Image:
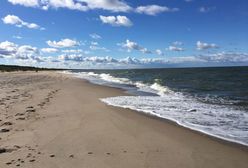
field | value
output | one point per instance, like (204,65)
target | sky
(123,33)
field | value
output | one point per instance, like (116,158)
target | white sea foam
(105,78)
(216,120)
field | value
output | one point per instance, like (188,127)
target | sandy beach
(52,120)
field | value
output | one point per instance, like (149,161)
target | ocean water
(210,100)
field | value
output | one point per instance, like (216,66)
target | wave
(218,120)
(104,78)
(215,120)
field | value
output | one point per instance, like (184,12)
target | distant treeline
(9,68)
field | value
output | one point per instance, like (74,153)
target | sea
(211,100)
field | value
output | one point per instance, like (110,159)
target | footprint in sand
(30,109)
(7,123)
(3,130)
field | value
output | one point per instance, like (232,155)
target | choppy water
(209,100)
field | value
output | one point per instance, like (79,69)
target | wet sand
(50,120)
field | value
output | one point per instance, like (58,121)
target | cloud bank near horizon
(30,55)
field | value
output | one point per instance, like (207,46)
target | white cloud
(46,4)
(95,36)
(70,4)
(203,46)
(100,59)
(26,52)
(81,5)
(82,58)
(85,5)
(94,43)
(49,50)
(71,57)
(27,3)
(11,50)
(175,48)
(116,20)
(130,45)
(76,51)
(15,20)
(159,52)
(17,37)
(7,48)
(63,43)
(154,9)
(177,43)
(110,5)
(95,47)
(225,57)
(30,54)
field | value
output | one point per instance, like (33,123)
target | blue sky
(123,34)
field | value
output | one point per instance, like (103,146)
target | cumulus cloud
(222,57)
(86,5)
(225,57)
(159,52)
(76,51)
(17,37)
(110,5)
(130,45)
(7,48)
(71,57)
(82,58)
(95,46)
(15,20)
(46,4)
(27,53)
(95,36)
(203,46)
(94,43)
(63,43)
(175,48)
(81,5)
(27,3)
(154,9)
(11,50)
(49,50)
(116,20)
(177,43)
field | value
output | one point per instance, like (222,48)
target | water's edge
(171,121)
(150,113)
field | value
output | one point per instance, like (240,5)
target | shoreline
(211,136)
(71,127)
(168,121)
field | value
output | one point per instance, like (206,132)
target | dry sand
(50,120)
